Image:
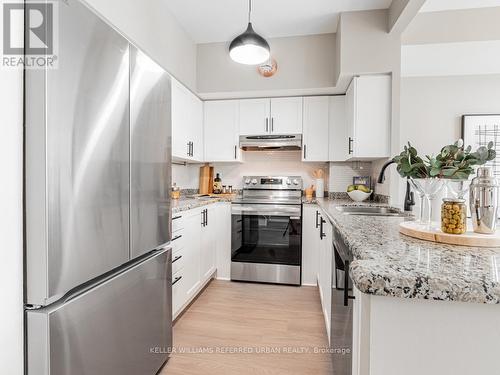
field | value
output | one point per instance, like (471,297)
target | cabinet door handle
(176,217)
(267,124)
(321,234)
(176,280)
(192,148)
(305,151)
(350,145)
(317,222)
(177,258)
(203,218)
(176,237)
(189,149)
(235,152)
(272,124)
(206,217)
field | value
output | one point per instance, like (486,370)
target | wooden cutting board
(206,177)
(469,238)
(211,181)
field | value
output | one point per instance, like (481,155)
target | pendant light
(249,48)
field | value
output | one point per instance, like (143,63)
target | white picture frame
(479,130)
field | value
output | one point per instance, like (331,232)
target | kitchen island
(420,307)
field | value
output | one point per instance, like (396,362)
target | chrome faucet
(409,196)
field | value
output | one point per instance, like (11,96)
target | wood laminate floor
(237,316)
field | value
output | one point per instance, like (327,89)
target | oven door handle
(273,210)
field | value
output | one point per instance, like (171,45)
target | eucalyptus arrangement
(452,162)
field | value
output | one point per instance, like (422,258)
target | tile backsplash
(341,174)
(338,175)
(253,163)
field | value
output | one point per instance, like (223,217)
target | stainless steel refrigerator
(97,178)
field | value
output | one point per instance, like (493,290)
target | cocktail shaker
(483,195)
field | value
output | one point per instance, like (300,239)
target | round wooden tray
(469,238)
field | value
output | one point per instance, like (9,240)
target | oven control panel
(273,182)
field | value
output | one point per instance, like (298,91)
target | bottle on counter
(217,184)
(176,191)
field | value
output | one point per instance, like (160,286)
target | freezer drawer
(122,326)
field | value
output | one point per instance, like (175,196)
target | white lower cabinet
(223,241)
(317,256)
(195,247)
(310,244)
(208,246)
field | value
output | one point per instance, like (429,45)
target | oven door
(266,233)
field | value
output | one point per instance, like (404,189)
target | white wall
(153,28)
(431,107)
(454,26)
(366,46)
(431,110)
(451,59)
(254,163)
(304,62)
(11,220)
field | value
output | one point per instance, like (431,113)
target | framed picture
(479,130)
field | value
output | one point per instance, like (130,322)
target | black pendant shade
(249,48)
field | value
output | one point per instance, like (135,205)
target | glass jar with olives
(453,216)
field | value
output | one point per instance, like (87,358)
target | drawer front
(177,223)
(178,241)
(178,260)
(179,295)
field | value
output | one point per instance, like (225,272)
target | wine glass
(415,183)
(431,187)
(457,188)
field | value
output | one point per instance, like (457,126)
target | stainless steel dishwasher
(342,309)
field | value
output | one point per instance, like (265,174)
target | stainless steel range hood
(270,142)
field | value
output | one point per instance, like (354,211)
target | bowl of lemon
(359,193)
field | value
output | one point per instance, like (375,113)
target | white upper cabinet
(221,131)
(254,116)
(271,116)
(315,133)
(368,111)
(196,128)
(187,124)
(339,138)
(286,115)
(180,147)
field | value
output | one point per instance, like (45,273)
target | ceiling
(439,5)
(208,21)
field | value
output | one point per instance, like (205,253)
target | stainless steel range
(267,230)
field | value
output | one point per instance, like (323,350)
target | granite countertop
(188,203)
(388,263)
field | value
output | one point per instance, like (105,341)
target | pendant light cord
(249,10)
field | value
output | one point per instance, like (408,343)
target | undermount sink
(370,211)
